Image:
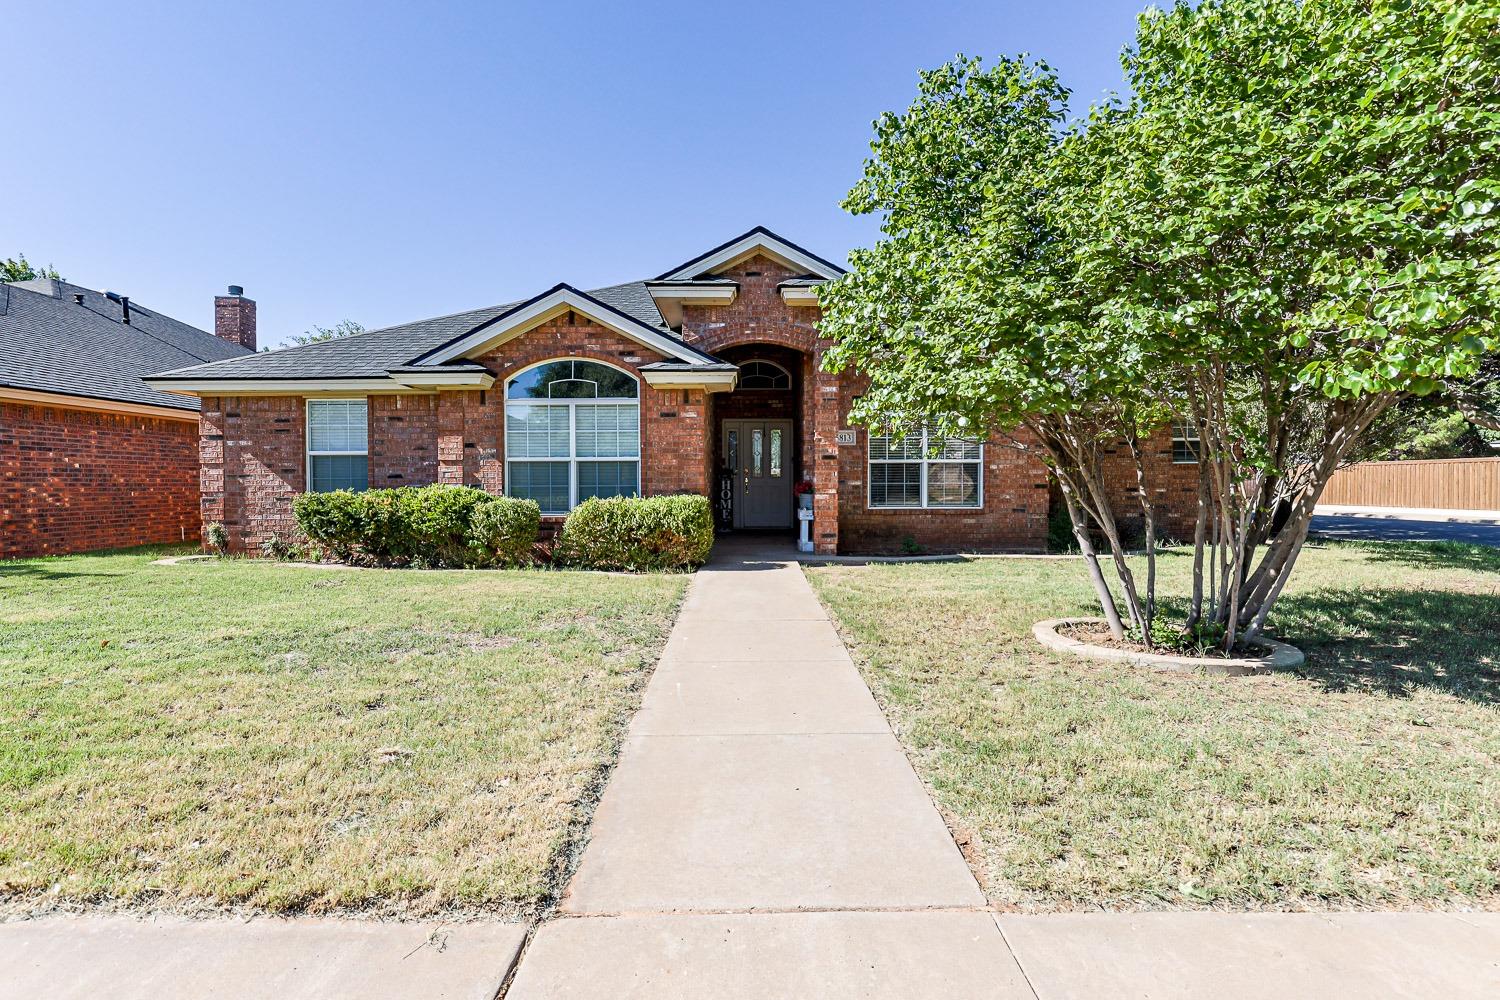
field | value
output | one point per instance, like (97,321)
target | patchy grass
(1369,777)
(247,734)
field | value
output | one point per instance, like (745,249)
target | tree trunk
(1091,559)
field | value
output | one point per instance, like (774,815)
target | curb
(1281,657)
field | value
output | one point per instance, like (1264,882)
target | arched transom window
(572,431)
(764,375)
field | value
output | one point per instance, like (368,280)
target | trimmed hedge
(638,533)
(503,531)
(418,525)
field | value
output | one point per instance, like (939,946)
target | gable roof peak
(759,240)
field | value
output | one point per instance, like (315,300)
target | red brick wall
(75,480)
(1174,488)
(1013,516)
(757,315)
(403,440)
(254,456)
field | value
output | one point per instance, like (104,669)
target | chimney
(234,317)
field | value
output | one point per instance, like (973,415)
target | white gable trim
(748,246)
(555,303)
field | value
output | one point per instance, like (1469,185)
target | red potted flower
(804,491)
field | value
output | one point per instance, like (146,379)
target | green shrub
(335,520)
(412,525)
(432,524)
(636,533)
(503,531)
(217,537)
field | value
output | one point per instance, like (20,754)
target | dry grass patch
(240,733)
(1368,777)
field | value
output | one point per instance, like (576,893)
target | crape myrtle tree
(1286,228)
(968,315)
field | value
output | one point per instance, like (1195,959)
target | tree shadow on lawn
(1393,642)
(42,570)
(1424,555)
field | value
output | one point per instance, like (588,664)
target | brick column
(825,457)
(450,438)
(211,444)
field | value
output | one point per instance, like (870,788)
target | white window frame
(926,461)
(573,459)
(1186,432)
(307,438)
(766,361)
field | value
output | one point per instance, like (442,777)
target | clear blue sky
(390,161)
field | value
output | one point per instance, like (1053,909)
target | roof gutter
(397,383)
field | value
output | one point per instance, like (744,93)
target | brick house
(706,379)
(90,456)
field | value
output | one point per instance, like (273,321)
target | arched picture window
(572,431)
(760,374)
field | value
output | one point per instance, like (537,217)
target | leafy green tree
(1287,228)
(968,316)
(18,268)
(1424,427)
(345,328)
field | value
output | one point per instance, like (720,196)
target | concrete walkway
(171,958)
(764,836)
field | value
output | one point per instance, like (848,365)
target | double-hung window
(924,470)
(337,445)
(1184,443)
(572,431)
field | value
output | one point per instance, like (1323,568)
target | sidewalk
(173,958)
(764,836)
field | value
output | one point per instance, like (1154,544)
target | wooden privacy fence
(1449,483)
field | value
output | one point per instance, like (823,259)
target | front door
(759,455)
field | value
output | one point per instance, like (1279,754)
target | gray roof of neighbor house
(394,348)
(49,342)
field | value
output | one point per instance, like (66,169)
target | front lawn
(1369,777)
(286,738)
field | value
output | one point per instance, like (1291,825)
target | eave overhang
(395,382)
(671,296)
(798,294)
(716,377)
(95,404)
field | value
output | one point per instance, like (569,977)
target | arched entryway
(759,438)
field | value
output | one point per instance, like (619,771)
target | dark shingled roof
(375,352)
(50,343)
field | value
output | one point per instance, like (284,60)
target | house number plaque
(843,437)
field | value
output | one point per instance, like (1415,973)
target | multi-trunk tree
(1286,228)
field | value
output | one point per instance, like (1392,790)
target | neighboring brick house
(707,379)
(90,456)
